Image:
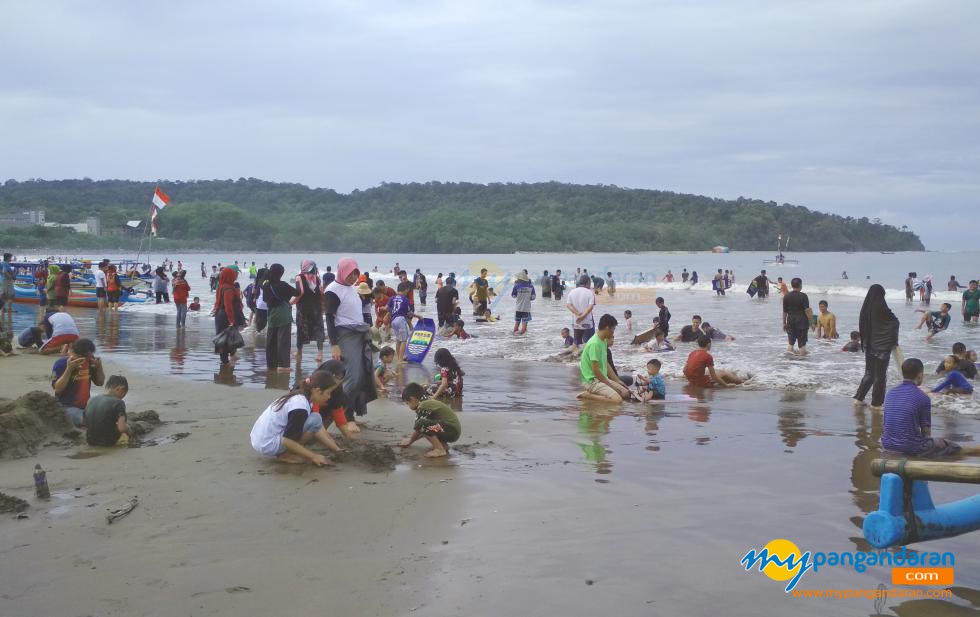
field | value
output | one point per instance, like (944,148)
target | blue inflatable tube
(893,525)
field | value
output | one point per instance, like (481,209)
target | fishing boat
(780,259)
(83,297)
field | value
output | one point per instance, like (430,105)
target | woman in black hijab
(879,336)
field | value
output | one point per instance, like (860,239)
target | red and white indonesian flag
(160,201)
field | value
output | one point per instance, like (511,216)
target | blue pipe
(891,525)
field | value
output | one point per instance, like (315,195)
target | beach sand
(556,512)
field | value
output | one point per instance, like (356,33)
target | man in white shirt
(581,302)
(100,281)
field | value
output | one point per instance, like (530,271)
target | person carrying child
(434,420)
(286,425)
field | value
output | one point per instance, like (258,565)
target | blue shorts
(76,415)
(314,422)
(522,317)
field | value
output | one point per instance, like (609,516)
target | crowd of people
(360,329)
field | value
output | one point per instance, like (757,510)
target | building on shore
(22,219)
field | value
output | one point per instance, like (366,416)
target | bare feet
(433,453)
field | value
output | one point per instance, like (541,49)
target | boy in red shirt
(700,360)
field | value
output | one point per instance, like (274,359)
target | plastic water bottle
(41,483)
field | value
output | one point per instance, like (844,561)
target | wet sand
(546,508)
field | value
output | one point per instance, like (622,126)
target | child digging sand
(287,424)
(434,420)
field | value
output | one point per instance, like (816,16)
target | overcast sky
(860,107)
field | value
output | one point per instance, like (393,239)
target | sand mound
(25,423)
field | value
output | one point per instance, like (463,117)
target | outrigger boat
(780,259)
(79,296)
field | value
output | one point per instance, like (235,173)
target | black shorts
(522,317)
(797,334)
(100,292)
(114,296)
(60,301)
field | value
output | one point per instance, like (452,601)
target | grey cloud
(856,108)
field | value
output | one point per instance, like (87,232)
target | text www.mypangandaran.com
(870,594)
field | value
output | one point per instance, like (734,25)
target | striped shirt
(907,411)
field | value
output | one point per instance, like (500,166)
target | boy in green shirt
(105,415)
(600,385)
(971,303)
(434,420)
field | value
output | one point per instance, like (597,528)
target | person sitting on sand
(653,386)
(458,331)
(937,320)
(72,377)
(382,370)
(288,423)
(714,333)
(854,345)
(700,360)
(908,419)
(594,366)
(955,382)
(105,414)
(659,342)
(691,332)
(434,420)
(61,331)
(826,322)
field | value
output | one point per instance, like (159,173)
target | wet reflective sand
(635,510)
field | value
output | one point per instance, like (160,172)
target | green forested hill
(433,217)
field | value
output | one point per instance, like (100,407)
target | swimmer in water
(826,322)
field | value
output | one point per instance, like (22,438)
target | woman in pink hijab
(350,337)
(309,311)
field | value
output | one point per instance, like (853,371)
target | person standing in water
(796,317)
(279,296)
(878,328)
(971,303)
(309,311)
